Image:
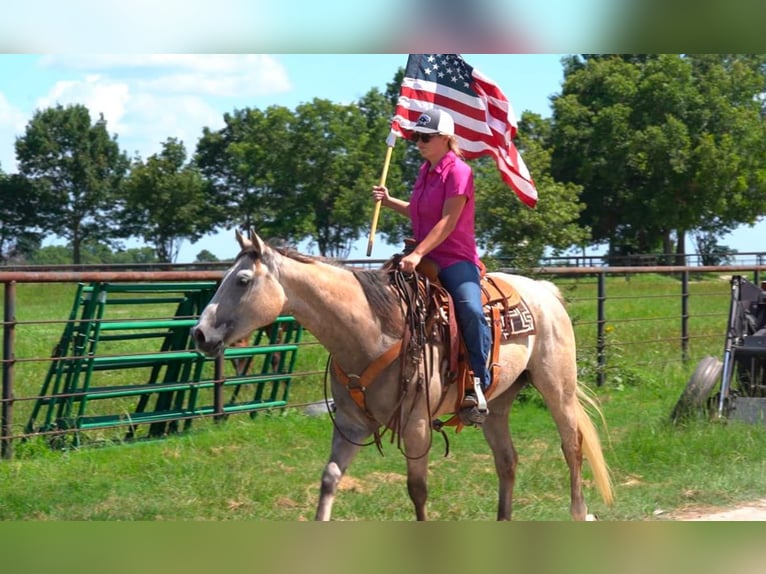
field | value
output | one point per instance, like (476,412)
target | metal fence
(690,331)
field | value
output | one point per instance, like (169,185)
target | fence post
(685,315)
(218,376)
(9,337)
(600,330)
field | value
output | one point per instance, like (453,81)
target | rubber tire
(694,397)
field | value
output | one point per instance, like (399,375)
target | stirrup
(482,401)
(474,408)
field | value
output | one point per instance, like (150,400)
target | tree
(78,167)
(19,204)
(334,172)
(507,227)
(662,145)
(165,201)
(247,165)
(93,253)
(303,174)
(206,256)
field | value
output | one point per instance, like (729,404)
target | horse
(356,315)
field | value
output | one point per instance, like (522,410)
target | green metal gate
(107,371)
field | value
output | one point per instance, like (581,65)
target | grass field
(268,467)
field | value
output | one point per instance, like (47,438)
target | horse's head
(249,296)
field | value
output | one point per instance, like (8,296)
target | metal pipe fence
(609,323)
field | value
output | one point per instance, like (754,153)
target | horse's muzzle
(210,344)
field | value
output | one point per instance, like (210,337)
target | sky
(147,98)
(168,70)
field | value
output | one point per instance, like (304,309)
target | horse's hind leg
(343,452)
(498,434)
(571,446)
(563,405)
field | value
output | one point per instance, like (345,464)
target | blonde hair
(454,146)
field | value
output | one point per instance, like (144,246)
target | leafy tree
(92,254)
(77,167)
(507,227)
(334,172)
(710,251)
(298,175)
(19,203)
(206,256)
(663,145)
(165,201)
(52,255)
(247,164)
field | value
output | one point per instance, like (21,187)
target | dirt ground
(751,511)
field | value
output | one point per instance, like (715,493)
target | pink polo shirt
(450,178)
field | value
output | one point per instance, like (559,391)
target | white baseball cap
(435,121)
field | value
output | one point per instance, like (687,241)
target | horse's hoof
(591,518)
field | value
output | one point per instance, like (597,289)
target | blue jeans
(461,280)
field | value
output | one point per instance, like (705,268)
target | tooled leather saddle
(506,312)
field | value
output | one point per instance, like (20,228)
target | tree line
(640,150)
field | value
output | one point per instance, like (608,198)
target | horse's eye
(244,278)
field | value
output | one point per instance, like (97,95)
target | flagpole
(376,212)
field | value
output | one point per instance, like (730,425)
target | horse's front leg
(417,485)
(343,452)
(417,446)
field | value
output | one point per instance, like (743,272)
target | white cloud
(12,121)
(98,94)
(210,74)
(153,118)
(149,98)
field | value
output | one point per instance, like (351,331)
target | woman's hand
(409,262)
(380,193)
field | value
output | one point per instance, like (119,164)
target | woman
(441,209)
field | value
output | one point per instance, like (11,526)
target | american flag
(484,120)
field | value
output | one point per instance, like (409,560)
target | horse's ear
(242,240)
(257,242)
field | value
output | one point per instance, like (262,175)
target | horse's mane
(375,284)
(381,298)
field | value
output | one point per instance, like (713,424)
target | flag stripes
(484,120)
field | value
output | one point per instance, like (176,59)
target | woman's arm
(380,193)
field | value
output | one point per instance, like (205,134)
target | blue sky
(147,98)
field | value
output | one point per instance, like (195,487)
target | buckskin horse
(359,316)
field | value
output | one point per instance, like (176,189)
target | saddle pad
(519,320)
(515,315)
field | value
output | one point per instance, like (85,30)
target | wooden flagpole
(376,213)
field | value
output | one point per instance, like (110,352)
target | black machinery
(742,373)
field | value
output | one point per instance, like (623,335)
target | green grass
(268,468)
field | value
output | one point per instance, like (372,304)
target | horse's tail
(591,444)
